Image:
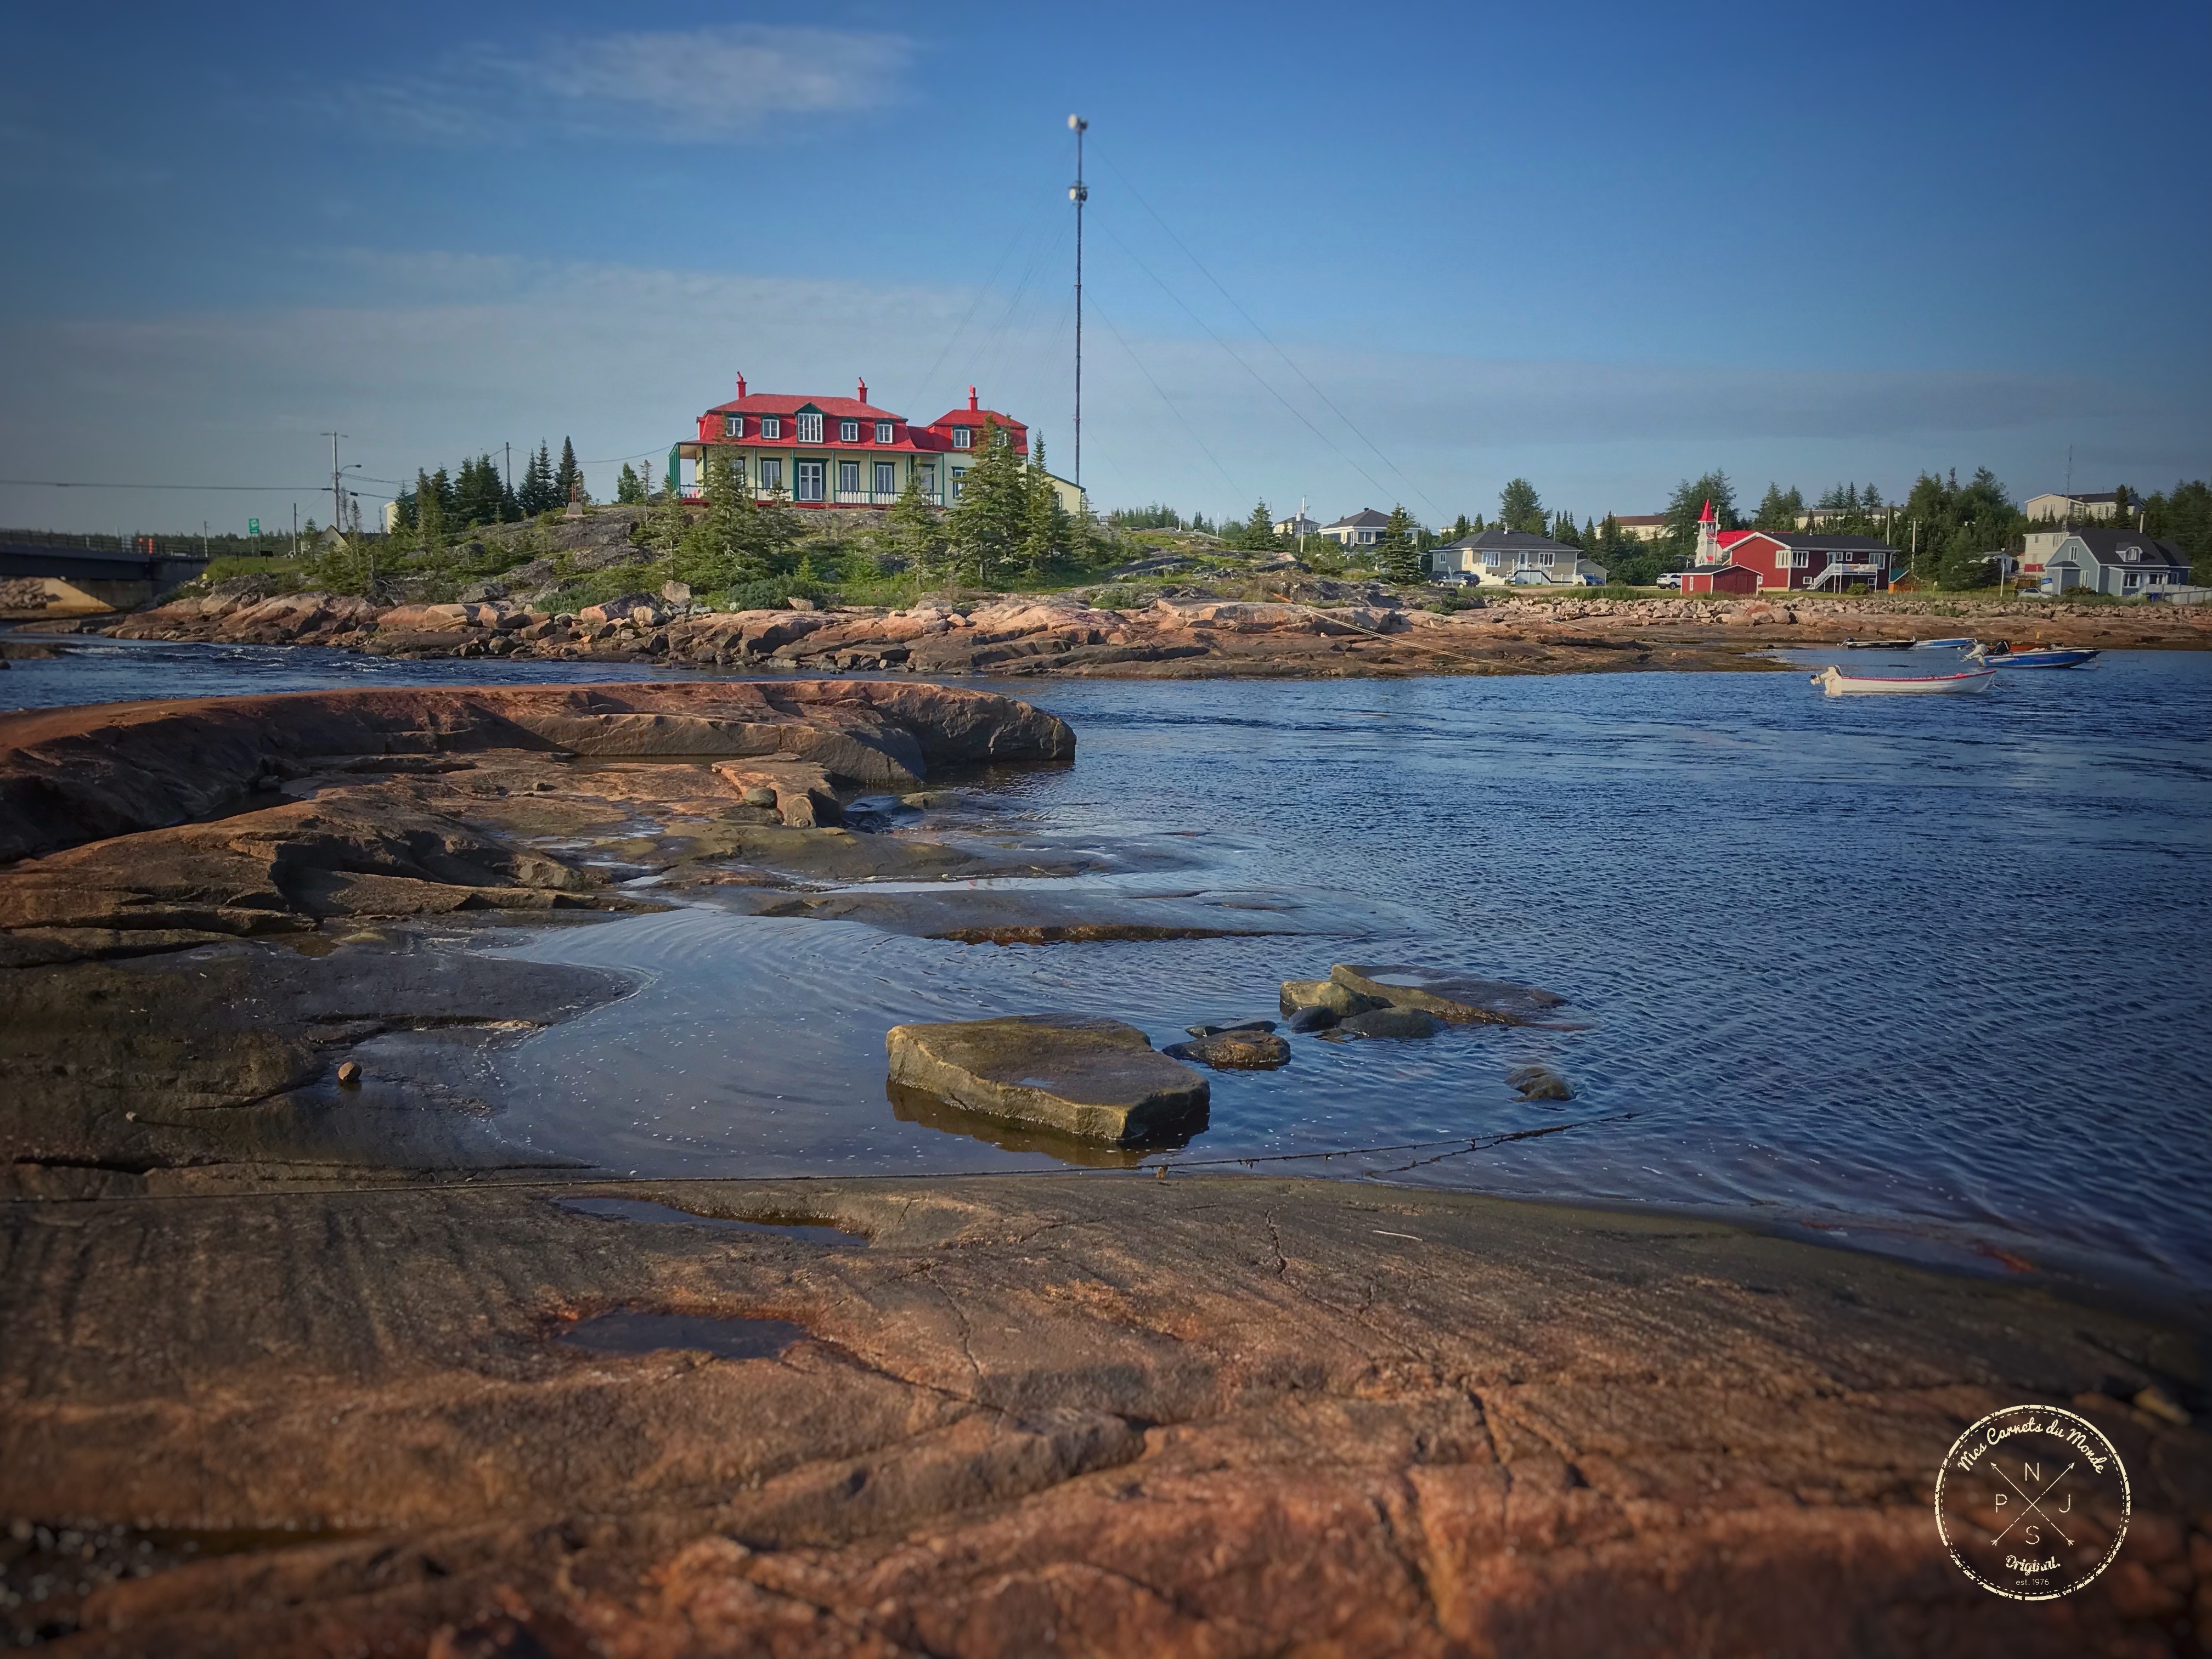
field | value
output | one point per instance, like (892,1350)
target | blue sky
(1356,255)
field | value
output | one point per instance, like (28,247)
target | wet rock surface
(1236,1049)
(1460,999)
(1087,1415)
(1093,1079)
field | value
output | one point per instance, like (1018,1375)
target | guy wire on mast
(1078,193)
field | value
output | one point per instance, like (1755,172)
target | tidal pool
(1902,970)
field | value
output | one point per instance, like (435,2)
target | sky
(1355,256)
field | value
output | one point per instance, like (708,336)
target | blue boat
(2001,655)
(1940,644)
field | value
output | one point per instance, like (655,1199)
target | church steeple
(1708,535)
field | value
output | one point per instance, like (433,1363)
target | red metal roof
(772,402)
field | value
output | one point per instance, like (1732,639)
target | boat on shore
(1838,684)
(1878,645)
(1942,645)
(2000,654)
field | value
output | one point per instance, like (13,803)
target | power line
(100,483)
(1264,335)
(1164,398)
(1333,446)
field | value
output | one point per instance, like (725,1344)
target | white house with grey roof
(2125,562)
(1363,529)
(1503,558)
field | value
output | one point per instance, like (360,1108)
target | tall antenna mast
(1078,193)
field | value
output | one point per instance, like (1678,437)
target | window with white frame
(733,426)
(886,433)
(886,477)
(958,474)
(963,437)
(848,477)
(771,426)
(1801,558)
(771,475)
(810,428)
(848,432)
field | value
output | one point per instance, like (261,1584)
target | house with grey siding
(2125,562)
(1501,558)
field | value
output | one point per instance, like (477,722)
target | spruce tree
(1045,526)
(1519,506)
(1396,554)
(630,486)
(536,495)
(987,525)
(568,482)
(429,511)
(915,532)
(739,540)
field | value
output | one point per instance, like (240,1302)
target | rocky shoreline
(1313,628)
(303,1360)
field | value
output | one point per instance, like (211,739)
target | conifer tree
(430,510)
(1396,553)
(987,525)
(536,495)
(739,540)
(1045,525)
(630,486)
(568,482)
(915,532)
(1519,506)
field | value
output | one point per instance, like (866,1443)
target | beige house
(2074,509)
(1363,529)
(1642,527)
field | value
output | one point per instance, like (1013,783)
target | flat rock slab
(1462,1000)
(1098,1080)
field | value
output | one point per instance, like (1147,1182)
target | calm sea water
(1923,974)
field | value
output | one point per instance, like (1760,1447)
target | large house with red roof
(843,452)
(1747,561)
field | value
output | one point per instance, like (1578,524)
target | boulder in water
(1099,1079)
(1392,1023)
(1338,1000)
(1463,999)
(1539,1083)
(1244,1048)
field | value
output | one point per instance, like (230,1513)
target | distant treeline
(476,492)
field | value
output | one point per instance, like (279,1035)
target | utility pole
(509,448)
(338,497)
(1078,193)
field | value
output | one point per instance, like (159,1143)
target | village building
(843,452)
(1500,558)
(2100,508)
(1363,529)
(1642,527)
(1298,524)
(2125,562)
(1747,561)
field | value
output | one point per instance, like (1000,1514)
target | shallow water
(1901,968)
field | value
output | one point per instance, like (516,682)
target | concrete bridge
(106,569)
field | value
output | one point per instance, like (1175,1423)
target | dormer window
(963,437)
(810,428)
(2132,555)
(886,433)
(771,426)
(733,426)
(1000,437)
(848,432)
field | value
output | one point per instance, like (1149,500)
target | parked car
(1456,579)
(1669,578)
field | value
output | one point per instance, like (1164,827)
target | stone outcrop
(1311,627)
(1086,1415)
(1093,1079)
(75,774)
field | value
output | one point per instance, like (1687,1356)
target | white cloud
(680,85)
(462,354)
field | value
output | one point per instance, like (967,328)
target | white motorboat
(1838,684)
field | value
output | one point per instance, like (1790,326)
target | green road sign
(253,526)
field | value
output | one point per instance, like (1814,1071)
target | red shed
(1721,579)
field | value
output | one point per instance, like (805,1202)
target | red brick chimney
(864,392)
(741,385)
(971,397)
